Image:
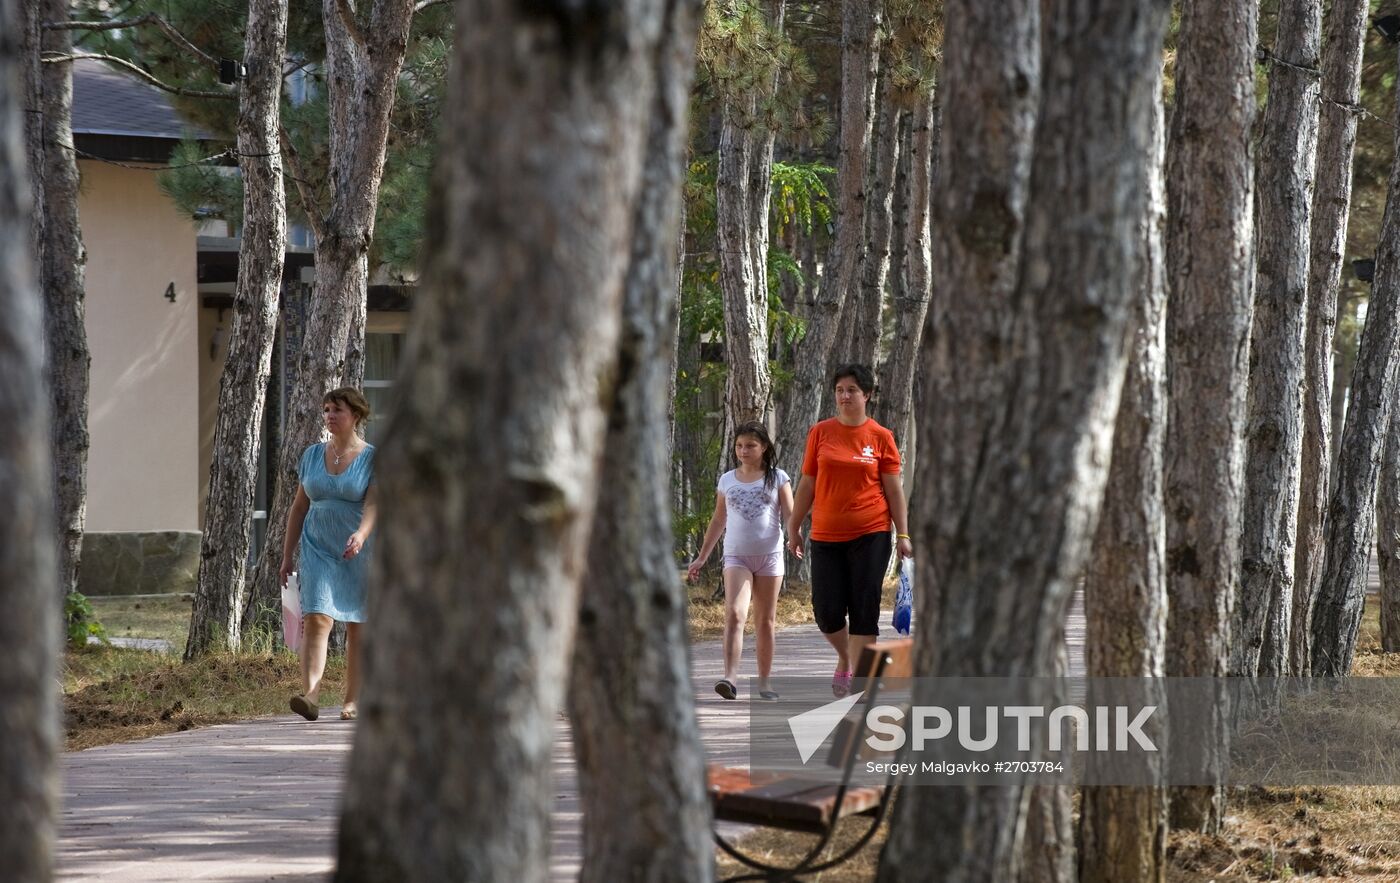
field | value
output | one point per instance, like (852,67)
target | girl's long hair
(770,456)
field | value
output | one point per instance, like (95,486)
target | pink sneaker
(840,683)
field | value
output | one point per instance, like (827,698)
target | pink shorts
(758,565)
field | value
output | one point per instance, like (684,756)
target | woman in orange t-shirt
(851,485)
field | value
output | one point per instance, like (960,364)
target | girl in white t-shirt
(751,507)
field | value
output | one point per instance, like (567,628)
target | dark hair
(770,456)
(352,399)
(861,374)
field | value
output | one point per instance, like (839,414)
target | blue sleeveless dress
(330,584)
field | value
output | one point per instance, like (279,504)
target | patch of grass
(112,694)
(787,848)
(167,617)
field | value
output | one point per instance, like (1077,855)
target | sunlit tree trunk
(911,300)
(1210,272)
(860,334)
(363,56)
(66,351)
(1274,410)
(743,191)
(1342,594)
(1345,34)
(1388,539)
(840,276)
(216,618)
(490,468)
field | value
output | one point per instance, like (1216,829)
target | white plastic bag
(291,614)
(904,597)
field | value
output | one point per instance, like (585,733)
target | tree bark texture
(1123,831)
(911,299)
(1345,31)
(1210,273)
(648,817)
(1274,405)
(864,307)
(31,35)
(491,462)
(66,354)
(1003,554)
(216,618)
(1342,593)
(29,713)
(362,71)
(1388,539)
(810,381)
(1343,364)
(743,192)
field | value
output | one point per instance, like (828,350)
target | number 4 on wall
(170,292)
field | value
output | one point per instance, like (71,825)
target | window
(381,366)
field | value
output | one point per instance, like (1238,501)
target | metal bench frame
(809,863)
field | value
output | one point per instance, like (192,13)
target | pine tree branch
(55,58)
(309,206)
(425,4)
(149,18)
(352,25)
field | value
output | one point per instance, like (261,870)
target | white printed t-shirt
(755,520)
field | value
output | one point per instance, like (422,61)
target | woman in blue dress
(332,519)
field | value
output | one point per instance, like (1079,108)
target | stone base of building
(139,562)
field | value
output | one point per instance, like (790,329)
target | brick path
(257,800)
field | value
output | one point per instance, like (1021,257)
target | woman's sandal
(305,707)
(726,689)
(841,684)
(349,714)
(769,695)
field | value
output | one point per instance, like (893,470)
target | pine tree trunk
(31,35)
(810,381)
(1341,85)
(61,282)
(999,558)
(1342,593)
(223,554)
(648,817)
(910,303)
(1210,273)
(863,313)
(1274,410)
(362,70)
(513,353)
(1123,831)
(29,630)
(743,192)
(1343,366)
(1388,539)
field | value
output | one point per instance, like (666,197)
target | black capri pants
(846,581)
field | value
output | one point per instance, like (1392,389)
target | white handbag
(291,613)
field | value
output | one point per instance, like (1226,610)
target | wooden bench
(792,803)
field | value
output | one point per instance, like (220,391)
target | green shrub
(80,621)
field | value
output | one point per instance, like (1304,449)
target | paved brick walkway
(257,800)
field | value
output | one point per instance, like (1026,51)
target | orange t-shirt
(846,463)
